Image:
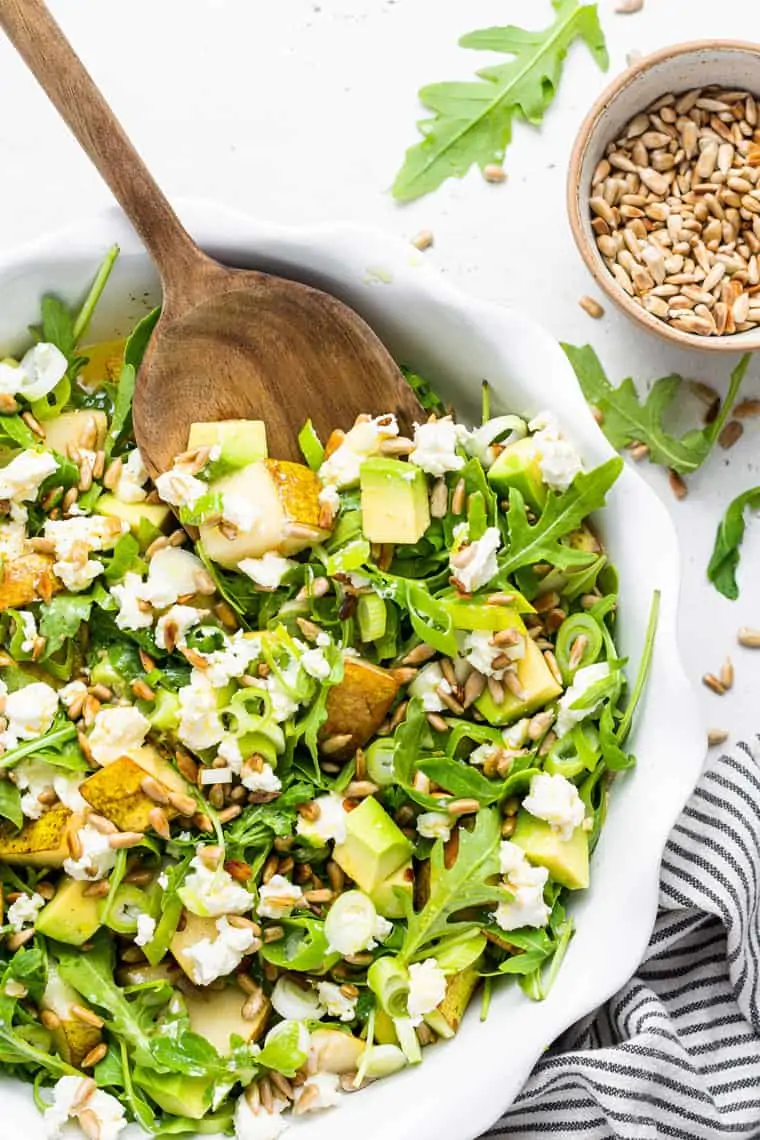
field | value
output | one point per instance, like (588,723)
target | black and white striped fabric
(676,1053)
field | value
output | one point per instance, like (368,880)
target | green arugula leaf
(10,803)
(463,885)
(13,431)
(629,420)
(643,672)
(58,324)
(724,560)
(125,557)
(563,513)
(134,350)
(261,823)
(472,122)
(61,618)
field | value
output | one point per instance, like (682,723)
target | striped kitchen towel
(676,1053)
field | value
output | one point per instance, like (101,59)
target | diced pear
(40,842)
(71,916)
(288,512)
(538,683)
(217,1014)
(584,539)
(335,1052)
(104,362)
(447,1017)
(358,704)
(193,931)
(74,429)
(29,578)
(138,975)
(116,790)
(73,1038)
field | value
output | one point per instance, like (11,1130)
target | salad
(295,758)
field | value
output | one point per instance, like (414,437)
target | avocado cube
(395,503)
(73,1038)
(519,466)
(73,429)
(116,790)
(175,1093)
(447,1017)
(471,616)
(385,896)
(29,578)
(240,442)
(135,514)
(71,916)
(358,704)
(40,842)
(536,679)
(566,860)
(218,1014)
(374,846)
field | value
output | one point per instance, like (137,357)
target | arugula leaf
(125,557)
(259,824)
(724,560)
(429,399)
(58,324)
(643,673)
(134,350)
(61,732)
(461,779)
(431,621)
(15,432)
(463,885)
(563,513)
(61,618)
(84,316)
(627,419)
(10,803)
(472,122)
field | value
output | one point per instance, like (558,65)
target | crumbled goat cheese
(281,690)
(12,540)
(314,662)
(29,711)
(78,576)
(261,780)
(555,800)
(482,564)
(134,606)
(232,660)
(71,692)
(229,750)
(434,825)
(330,823)
(261,1124)
(75,539)
(116,732)
(71,1101)
(97,858)
(24,911)
(435,446)
(558,460)
(36,777)
(517,733)
(211,893)
(175,573)
(179,488)
(483,753)
(211,960)
(425,686)
(335,1001)
(583,680)
(362,441)
(240,512)
(29,627)
(181,619)
(329,497)
(294,1003)
(526,884)
(21,478)
(267,571)
(200,725)
(427,988)
(327,1086)
(146,928)
(480,652)
(130,487)
(278,897)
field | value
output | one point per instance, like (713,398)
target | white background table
(300,111)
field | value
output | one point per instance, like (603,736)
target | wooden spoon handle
(57,68)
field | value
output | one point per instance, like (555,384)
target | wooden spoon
(231,343)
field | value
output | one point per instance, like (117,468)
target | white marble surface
(300,110)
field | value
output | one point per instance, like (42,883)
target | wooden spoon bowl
(230,344)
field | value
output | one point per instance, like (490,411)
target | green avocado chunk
(134,513)
(71,916)
(374,846)
(387,902)
(538,685)
(395,505)
(566,860)
(518,466)
(240,442)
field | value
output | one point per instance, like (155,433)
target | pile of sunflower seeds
(675,207)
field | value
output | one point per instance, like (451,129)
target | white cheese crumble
(335,1001)
(329,497)
(314,662)
(129,594)
(362,441)
(327,1086)
(70,1101)
(567,716)
(330,824)
(12,540)
(555,800)
(558,460)
(232,660)
(130,487)
(116,732)
(179,488)
(278,897)
(434,825)
(71,692)
(75,539)
(41,368)
(262,780)
(478,650)
(482,564)
(29,628)
(211,960)
(35,777)
(30,712)
(97,858)
(267,571)
(24,911)
(435,446)
(21,478)
(425,684)
(229,750)
(517,733)
(261,1124)
(200,725)
(483,753)
(182,618)
(281,690)
(240,512)
(296,1003)
(211,893)
(146,929)
(175,573)
(427,988)
(526,884)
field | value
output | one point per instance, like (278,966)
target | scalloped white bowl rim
(463,1086)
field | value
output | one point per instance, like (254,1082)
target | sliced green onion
(372,615)
(407,1039)
(389,981)
(84,316)
(380,758)
(350,923)
(382,1061)
(304,947)
(128,904)
(573,627)
(311,446)
(644,666)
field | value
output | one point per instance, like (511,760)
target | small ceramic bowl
(725,63)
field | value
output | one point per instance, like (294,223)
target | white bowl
(463,1086)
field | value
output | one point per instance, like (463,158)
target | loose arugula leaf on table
(628,419)
(472,122)
(563,513)
(724,561)
(463,885)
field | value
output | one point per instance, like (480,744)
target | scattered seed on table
(749,638)
(592,307)
(423,240)
(494,173)
(726,674)
(731,434)
(628,7)
(712,683)
(677,485)
(716,736)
